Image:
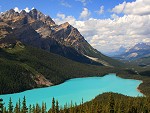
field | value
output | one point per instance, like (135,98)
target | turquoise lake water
(76,89)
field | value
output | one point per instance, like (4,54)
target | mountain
(38,30)
(139,51)
(143,62)
(25,67)
(116,53)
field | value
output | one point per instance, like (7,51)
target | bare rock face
(9,14)
(4,29)
(37,15)
(38,30)
(41,80)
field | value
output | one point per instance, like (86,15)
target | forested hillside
(104,103)
(25,67)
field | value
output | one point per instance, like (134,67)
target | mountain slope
(38,30)
(140,50)
(24,67)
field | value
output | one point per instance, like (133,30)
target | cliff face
(38,30)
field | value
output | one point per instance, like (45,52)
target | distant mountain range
(116,53)
(38,30)
(140,50)
(139,54)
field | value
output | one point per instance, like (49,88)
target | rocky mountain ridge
(36,29)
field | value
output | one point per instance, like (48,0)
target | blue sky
(106,24)
(68,7)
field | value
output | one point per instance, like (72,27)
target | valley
(41,60)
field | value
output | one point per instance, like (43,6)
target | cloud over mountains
(110,34)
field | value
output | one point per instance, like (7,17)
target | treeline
(105,103)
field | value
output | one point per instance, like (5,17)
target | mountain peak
(10,13)
(23,12)
(32,27)
(37,15)
(34,13)
(65,25)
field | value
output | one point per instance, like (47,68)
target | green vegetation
(105,103)
(21,64)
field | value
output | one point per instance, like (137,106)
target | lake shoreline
(139,90)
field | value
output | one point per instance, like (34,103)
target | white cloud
(114,16)
(84,2)
(61,15)
(85,14)
(62,18)
(138,7)
(64,3)
(108,35)
(101,10)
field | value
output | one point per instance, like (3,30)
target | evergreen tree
(57,107)
(30,109)
(37,109)
(33,109)
(1,105)
(53,105)
(121,107)
(10,106)
(71,108)
(24,107)
(111,103)
(43,107)
(5,110)
(19,105)
(16,110)
(133,110)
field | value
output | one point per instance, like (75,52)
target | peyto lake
(76,89)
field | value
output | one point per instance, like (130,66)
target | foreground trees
(105,103)
(1,105)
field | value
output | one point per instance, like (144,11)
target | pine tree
(82,106)
(38,109)
(121,107)
(33,109)
(16,110)
(111,104)
(133,110)
(5,110)
(43,107)
(30,109)
(1,105)
(57,107)
(24,107)
(10,106)
(19,105)
(71,108)
(53,105)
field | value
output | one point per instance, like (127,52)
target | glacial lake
(76,89)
